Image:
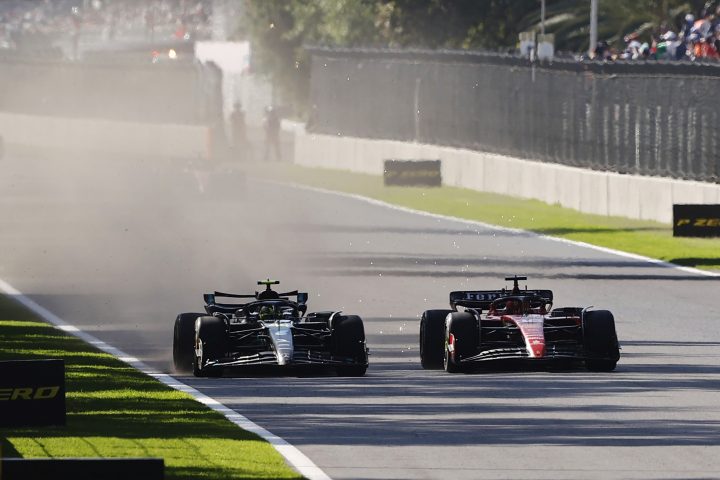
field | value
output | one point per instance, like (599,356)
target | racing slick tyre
(210,340)
(602,349)
(348,341)
(184,342)
(432,338)
(461,340)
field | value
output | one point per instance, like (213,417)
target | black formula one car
(497,325)
(270,330)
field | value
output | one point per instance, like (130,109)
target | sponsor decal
(32,393)
(481,296)
(408,173)
(696,220)
(29,393)
(490,295)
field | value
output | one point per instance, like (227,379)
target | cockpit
(519,305)
(269,310)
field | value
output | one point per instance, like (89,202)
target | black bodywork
(273,329)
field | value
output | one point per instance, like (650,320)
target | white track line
(477,223)
(293,456)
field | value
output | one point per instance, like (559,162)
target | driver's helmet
(511,307)
(267,313)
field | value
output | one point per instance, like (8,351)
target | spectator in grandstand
(62,20)
(698,38)
(603,51)
(666,46)
(632,49)
(688,23)
(702,26)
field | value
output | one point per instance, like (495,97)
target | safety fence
(647,118)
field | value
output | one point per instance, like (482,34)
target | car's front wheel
(432,338)
(210,344)
(348,337)
(602,349)
(184,342)
(461,340)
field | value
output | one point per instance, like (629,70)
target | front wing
(520,353)
(300,358)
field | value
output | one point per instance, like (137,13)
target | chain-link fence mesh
(644,118)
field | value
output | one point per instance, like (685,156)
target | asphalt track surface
(119,247)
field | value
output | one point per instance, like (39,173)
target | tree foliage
(279,29)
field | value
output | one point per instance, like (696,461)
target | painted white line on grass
(294,457)
(380,203)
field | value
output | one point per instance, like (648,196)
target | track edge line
(290,453)
(518,231)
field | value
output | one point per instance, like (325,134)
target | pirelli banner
(412,173)
(32,393)
(696,220)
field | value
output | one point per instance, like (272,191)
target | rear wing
(211,298)
(481,299)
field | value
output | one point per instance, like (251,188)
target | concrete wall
(109,137)
(604,193)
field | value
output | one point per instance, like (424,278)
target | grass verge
(651,239)
(114,410)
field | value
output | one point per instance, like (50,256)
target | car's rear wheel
(461,340)
(184,342)
(602,349)
(432,338)
(210,343)
(348,342)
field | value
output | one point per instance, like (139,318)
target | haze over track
(118,248)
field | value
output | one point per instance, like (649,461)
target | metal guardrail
(648,118)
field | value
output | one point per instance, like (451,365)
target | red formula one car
(506,325)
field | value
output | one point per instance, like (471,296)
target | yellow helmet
(267,313)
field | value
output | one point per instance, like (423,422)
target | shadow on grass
(713,262)
(114,410)
(193,473)
(7,449)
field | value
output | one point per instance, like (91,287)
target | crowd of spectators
(33,22)
(697,38)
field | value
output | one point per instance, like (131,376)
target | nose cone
(281,334)
(532,327)
(537,348)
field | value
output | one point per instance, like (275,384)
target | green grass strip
(114,410)
(651,239)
